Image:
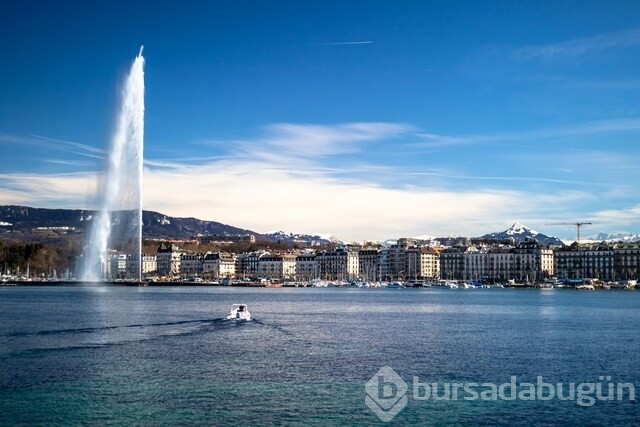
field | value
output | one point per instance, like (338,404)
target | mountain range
(615,237)
(27,224)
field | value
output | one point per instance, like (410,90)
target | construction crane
(578,225)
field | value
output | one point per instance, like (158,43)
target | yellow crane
(578,225)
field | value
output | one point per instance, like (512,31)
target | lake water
(165,356)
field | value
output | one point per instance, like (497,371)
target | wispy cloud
(80,147)
(578,48)
(304,177)
(67,162)
(580,129)
(54,143)
(617,217)
(67,190)
(307,140)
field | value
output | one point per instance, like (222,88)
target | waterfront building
(306,266)
(367,264)
(219,265)
(422,263)
(168,260)
(626,260)
(476,262)
(247,264)
(149,265)
(191,263)
(501,265)
(452,263)
(276,266)
(118,266)
(534,262)
(585,261)
(527,262)
(383,268)
(338,264)
(398,259)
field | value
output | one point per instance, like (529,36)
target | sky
(360,119)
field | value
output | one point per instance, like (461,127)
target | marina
(444,284)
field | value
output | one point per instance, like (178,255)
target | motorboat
(585,287)
(239,312)
(396,285)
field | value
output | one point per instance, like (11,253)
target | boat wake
(102,336)
(106,328)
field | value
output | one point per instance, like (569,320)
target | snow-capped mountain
(521,233)
(614,237)
(308,239)
(387,243)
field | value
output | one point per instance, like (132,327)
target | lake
(166,356)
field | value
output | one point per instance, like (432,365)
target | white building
(219,265)
(149,265)
(277,266)
(527,262)
(168,260)
(422,263)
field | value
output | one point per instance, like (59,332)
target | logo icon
(386,394)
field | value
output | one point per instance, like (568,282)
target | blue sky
(366,120)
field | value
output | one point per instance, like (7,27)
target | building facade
(191,263)
(168,260)
(368,264)
(277,266)
(338,264)
(306,267)
(626,259)
(585,261)
(219,265)
(452,263)
(149,265)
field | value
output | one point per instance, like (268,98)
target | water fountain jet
(118,223)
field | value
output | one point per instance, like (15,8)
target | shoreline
(254,285)
(121,283)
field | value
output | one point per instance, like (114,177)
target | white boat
(585,288)
(239,312)
(396,285)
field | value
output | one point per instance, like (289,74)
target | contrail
(342,43)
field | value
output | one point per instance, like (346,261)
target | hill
(27,224)
(23,223)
